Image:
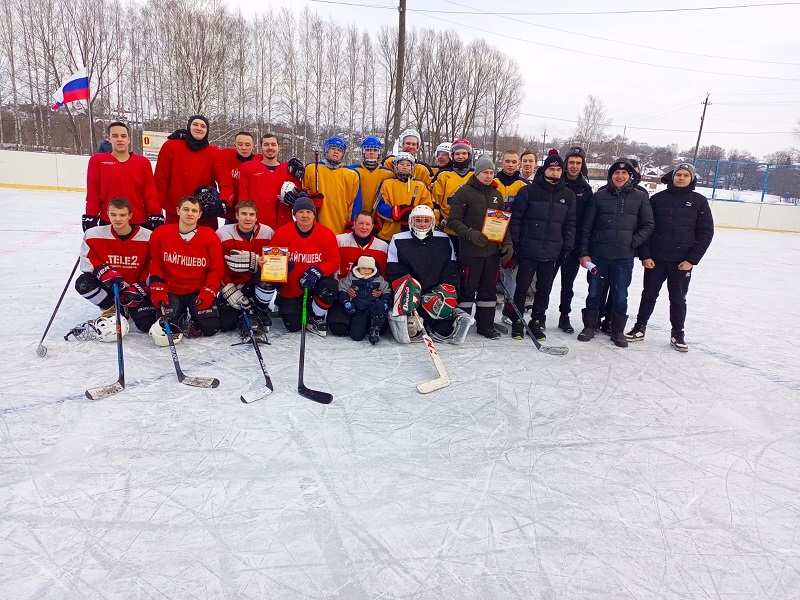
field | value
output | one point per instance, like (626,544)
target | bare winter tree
(503,97)
(592,123)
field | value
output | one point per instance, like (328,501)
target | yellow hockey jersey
(370,183)
(444,186)
(342,191)
(394,192)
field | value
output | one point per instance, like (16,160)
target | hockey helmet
(159,335)
(371,143)
(410,133)
(444,147)
(107,328)
(210,203)
(333,142)
(420,221)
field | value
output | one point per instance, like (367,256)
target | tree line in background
(154,63)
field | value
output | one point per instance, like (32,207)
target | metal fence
(748,181)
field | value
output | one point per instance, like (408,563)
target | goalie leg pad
(407,291)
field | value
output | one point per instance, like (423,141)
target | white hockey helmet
(107,328)
(160,336)
(443,148)
(404,156)
(410,133)
(421,221)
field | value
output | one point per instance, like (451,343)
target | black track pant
(569,271)
(677,287)
(545,272)
(479,287)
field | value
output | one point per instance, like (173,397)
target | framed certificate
(495,224)
(276,264)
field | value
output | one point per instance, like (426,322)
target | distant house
(652,174)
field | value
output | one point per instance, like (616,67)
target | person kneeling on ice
(422,270)
(365,296)
(313,260)
(117,253)
(186,270)
(242,245)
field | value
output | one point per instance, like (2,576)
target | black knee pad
(143,316)
(207,320)
(85,283)
(292,321)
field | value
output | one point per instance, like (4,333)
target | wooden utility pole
(699,133)
(401,54)
(544,140)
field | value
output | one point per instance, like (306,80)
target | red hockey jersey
(349,251)
(261,185)
(129,257)
(179,172)
(319,248)
(229,159)
(107,178)
(232,239)
(186,267)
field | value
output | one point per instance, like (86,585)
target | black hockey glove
(88,221)
(154,221)
(310,278)
(296,167)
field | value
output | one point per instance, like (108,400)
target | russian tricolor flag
(75,88)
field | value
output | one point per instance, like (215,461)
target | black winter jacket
(543,220)
(467,213)
(616,222)
(583,193)
(684,226)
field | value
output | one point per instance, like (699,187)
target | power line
(625,60)
(595,37)
(660,129)
(355,4)
(603,12)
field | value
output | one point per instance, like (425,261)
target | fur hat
(365,261)
(483,163)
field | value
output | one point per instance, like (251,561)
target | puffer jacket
(616,222)
(543,220)
(468,212)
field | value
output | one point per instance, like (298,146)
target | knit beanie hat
(303,203)
(365,261)
(686,167)
(194,144)
(483,163)
(552,160)
(623,164)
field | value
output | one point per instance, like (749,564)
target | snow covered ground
(605,473)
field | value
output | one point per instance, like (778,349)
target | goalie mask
(371,143)
(210,204)
(420,221)
(106,328)
(159,335)
(404,172)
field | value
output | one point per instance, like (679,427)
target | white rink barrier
(67,173)
(43,171)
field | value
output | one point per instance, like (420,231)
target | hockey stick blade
(202,382)
(554,350)
(250,397)
(443,380)
(104,391)
(315,395)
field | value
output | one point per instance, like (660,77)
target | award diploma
(276,264)
(495,224)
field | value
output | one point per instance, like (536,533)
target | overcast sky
(563,67)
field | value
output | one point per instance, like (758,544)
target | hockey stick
(204,382)
(247,398)
(315,395)
(554,350)
(104,391)
(443,380)
(316,171)
(41,350)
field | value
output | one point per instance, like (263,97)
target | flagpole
(92,145)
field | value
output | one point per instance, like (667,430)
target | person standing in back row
(683,231)
(618,220)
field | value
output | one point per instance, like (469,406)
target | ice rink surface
(605,473)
